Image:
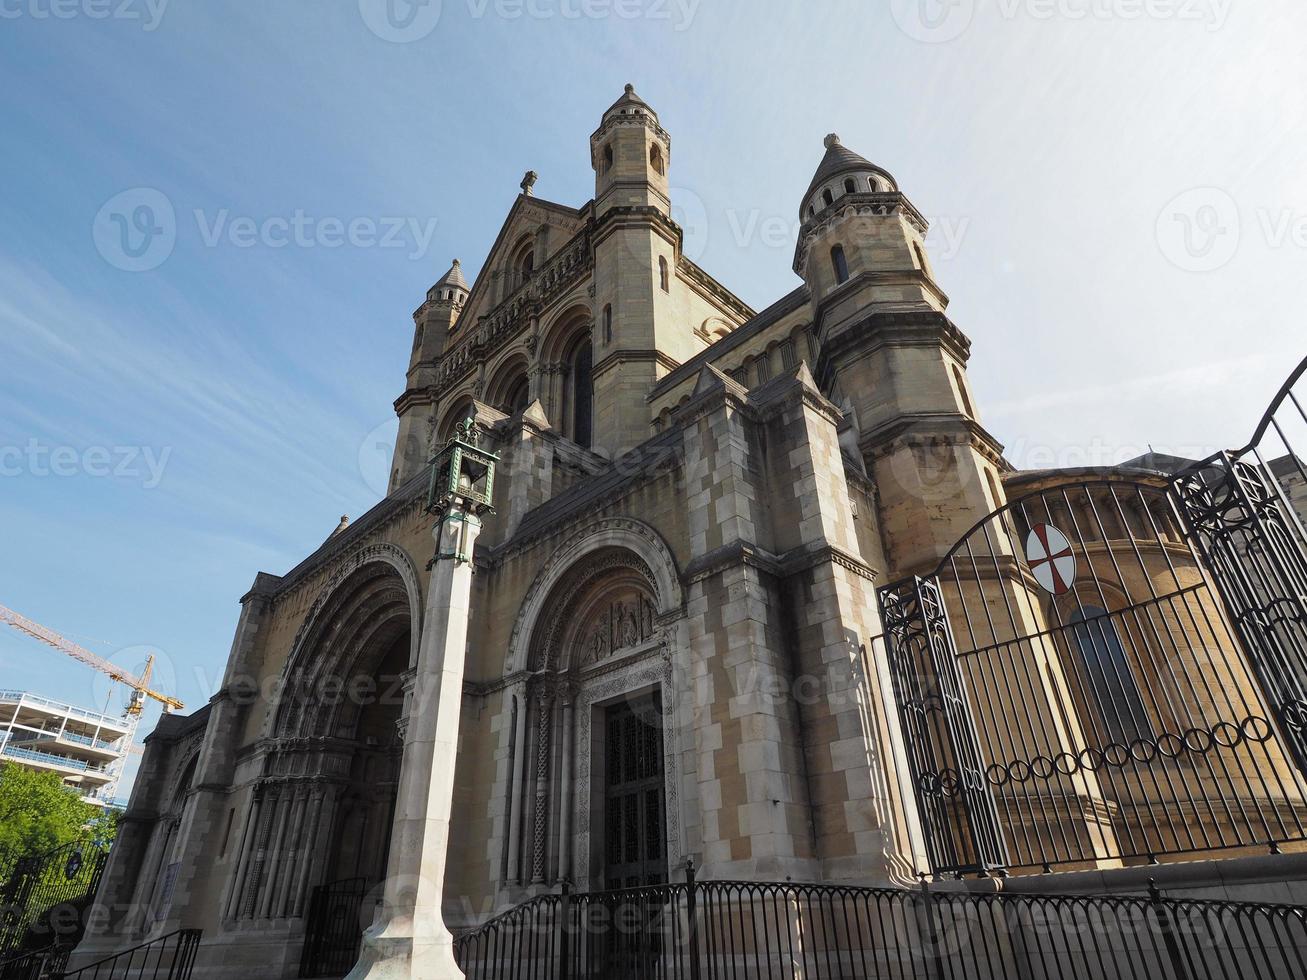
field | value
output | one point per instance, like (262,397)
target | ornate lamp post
(409,938)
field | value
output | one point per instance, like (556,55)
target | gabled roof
(571,217)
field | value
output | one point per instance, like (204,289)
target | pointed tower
(432,323)
(631,155)
(889,355)
(637,337)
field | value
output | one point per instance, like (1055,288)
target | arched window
(811,210)
(608,324)
(839,264)
(1111,680)
(848,185)
(663,277)
(581,391)
(608,158)
(827,197)
(871,184)
(516,399)
(656,158)
(528,263)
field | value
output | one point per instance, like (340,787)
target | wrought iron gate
(64,878)
(333,930)
(1109,670)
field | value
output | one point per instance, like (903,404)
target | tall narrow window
(608,324)
(582,393)
(1111,681)
(656,158)
(962,392)
(663,275)
(827,197)
(608,158)
(848,185)
(839,264)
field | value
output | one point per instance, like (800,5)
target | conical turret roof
(454,277)
(840,159)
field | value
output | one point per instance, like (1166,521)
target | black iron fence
(720,930)
(1245,510)
(44,896)
(333,930)
(169,957)
(34,964)
(1112,670)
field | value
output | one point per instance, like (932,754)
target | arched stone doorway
(323,805)
(593,791)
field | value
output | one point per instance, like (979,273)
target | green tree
(38,813)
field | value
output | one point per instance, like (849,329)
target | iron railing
(169,957)
(37,884)
(724,930)
(334,927)
(1245,510)
(35,964)
(1072,693)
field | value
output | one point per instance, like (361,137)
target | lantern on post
(462,485)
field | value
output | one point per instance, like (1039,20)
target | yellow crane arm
(51,638)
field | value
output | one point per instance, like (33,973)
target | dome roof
(839,160)
(454,277)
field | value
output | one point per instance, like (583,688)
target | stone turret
(891,358)
(432,323)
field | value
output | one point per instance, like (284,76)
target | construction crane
(139,686)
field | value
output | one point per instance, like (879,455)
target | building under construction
(86,748)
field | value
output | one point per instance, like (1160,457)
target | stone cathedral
(670,609)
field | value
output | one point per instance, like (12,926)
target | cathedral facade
(673,644)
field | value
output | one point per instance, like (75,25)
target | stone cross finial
(528,182)
(831,140)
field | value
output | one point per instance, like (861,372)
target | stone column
(568,756)
(409,938)
(516,795)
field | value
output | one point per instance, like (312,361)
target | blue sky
(1118,188)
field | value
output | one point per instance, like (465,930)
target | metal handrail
(787,930)
(145,960)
